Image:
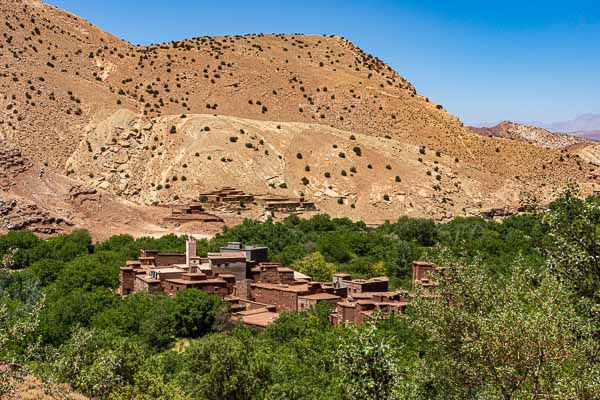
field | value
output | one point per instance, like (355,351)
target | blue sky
(485,61)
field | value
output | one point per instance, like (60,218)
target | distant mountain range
(585,125)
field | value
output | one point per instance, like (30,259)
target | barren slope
(37,198)
(124,117)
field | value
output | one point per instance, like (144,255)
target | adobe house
(127,276)
(285,297)
(256,318)
(219,286)
(421,277)
(226,195)
(359,309)
(272,273)
(253,253)
(154,267)
(193,212)
(307,302)
(356,286)
(229,263)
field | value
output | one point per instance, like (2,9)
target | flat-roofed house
(285,297)
(229,263)
(311,300)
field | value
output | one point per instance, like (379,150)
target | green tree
(574,226)
(315,266)
(223,367)
(195,312)
(515,338)
(368,364)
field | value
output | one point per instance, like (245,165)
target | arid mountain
(530,134)
(294,115)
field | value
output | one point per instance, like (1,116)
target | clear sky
(485,61)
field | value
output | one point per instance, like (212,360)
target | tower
(190,251)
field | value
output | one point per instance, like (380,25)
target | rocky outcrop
(18,215)
(12,163)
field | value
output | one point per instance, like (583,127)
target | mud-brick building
(307,302)
(272,273)
(421,277)
(285,297)
(221,285)
(359,309)
(256,254)
(226,195)
(229,263)
(357,286)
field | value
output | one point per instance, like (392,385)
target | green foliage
(514,316)
(95,362)
(15,248)
(368,364)
(574,226)
(64,311)
(315,266)
(511,338)
(223,367)
(195,312)
(100,269)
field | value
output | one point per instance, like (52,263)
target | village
(258,290)
(217,205)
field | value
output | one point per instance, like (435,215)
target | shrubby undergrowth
(516,316)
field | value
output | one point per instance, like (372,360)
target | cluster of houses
(259,290)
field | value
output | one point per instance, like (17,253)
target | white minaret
(190,251)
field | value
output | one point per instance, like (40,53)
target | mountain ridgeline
(294,115)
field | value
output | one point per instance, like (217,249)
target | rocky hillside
(37,198)
(281,114)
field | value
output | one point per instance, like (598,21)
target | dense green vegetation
(516,317)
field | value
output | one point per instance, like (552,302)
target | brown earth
(258,112)
(37,198)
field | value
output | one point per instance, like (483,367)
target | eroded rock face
(18,215)
(12,163)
